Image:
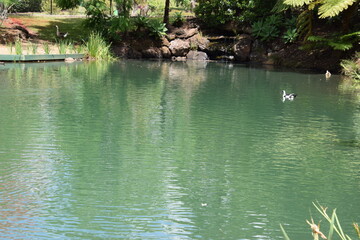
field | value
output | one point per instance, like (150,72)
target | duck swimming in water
(327,74)
(288,96)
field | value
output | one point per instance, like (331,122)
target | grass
(334,226)
(18,47)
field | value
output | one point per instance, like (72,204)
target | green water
(150,150)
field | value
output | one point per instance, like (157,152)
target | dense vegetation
(316,24)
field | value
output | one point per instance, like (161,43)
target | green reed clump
(18,47)
(97,48)
(335,226)
(46,48)
(63,45)
(10,46)
(34,48)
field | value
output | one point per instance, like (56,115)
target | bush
(267,29)
(351,67)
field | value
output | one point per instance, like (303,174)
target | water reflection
(162,150)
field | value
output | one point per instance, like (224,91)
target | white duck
(288,96)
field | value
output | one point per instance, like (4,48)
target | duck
(60,34)
(327,74)
(288,96)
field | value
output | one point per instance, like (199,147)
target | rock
(165,42)
(69,60)
(242,48)
(187,33)
(179,47)
(178,59)
(165,52)
(152,52)
(197,55)
(199,42)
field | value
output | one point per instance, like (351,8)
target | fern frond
(304,24)
(340,45)
(332,8)
(316,39)
(353,34)
(297,3)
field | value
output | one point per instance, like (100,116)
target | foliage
(153,27)
(68,4)
(97,48)
(46,48)
(63,45)
(18,47)
(268,28)
(333,220)
(27,6)
(178,21)
(117,25)
(327,8)
(351,68)
(141,22)
(216,12)
(157,28)
(337,42)
(290,35)
(96,15)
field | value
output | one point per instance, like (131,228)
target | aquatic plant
(351,67)
(18,47)
(97,48)
(333,220)
(10,46)
(46,48)
(63,45)
(34,48)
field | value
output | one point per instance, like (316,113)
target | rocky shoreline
(190,43)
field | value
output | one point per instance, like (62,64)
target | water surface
(151,150)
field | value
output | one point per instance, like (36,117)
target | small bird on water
(288,96)
(60,34)
(327,74)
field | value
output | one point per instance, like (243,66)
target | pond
(173,150)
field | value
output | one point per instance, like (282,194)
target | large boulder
(152,52)
(242,48)
(199,42)
(197,55)
(179,47)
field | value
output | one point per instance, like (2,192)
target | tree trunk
(166,12)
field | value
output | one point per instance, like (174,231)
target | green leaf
(332,224)
(286,237)
(332,8)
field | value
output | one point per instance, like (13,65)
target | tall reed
(335,226)
(46,48)
(97,48)
(18,47)
(34,48)
(63,46)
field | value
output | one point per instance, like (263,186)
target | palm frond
(297,3)
(331,8)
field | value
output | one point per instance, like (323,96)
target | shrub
(267,29)
(351,67)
